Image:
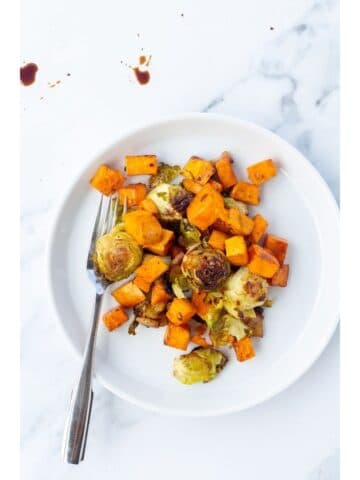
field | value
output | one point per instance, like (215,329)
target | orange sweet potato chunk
(128,295)
(141,164)
(152,269)
(236,250)
(163,246)
(191,186)
(159,294)
(261,171)
(115,318)
(225,171)
(280,278)
(261,262)
(217,240)
(180,311)
(133,193)
(198,300)
(177,336)
(234,222)
(260,226)
(106,180)
(277,245)
(198,170)
(246,192)
(204,207)
(143,227)
(142,284)
(148,205)
(201,341)
(244,349)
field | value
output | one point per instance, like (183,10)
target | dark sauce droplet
(28,74)
(142,76)
(142,59)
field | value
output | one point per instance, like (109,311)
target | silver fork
(77,423)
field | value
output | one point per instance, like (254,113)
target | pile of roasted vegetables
(203,265)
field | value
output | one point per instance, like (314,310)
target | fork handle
(78,419)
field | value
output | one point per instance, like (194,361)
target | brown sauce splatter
(28,74)
(142,60)
(142,76)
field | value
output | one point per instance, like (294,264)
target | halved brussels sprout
(150,315)
(205,268)
(117,255)
(200,365)
(231,203)
(166,173)
(171,201)
(243,292)
(227,327)
(179,284)
(190,235)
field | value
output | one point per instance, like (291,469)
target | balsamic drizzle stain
(28,74)
(142,76)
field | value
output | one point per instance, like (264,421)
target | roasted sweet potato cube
(143,227)
(204,207)
(201,341)
(163,246)
(177,336)
(180,311)
(152,269)
(225,171)
(159,293)
(277,245)
(141,164)
(106,180)
(191,185)
(236,250)
(234,222)
(261,171)
(244,349)
(142,284)
(198,170)
(216,185)
(128,295)
(280,278)
(148,205)
(115,318)
(260,226)
(134,194)
(246,192)
(261,262)
(217,240)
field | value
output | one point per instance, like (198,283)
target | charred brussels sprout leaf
(231,203)
(166,173)
(200,365)
(190,235)
(132,327)
(117,255)
(171,201)
(150,315)
(179,284)
(227,327)
(243,292)
(205,268)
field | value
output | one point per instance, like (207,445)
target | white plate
(298,206)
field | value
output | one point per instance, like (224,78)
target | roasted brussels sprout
(179,284)
(200,365)
(117,255)
(190,235)
(166,173)
(243,292)
(227,327)
(205,268)
(171,201)
(231,203)
(151,315)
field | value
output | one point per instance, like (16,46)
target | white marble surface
(218,57)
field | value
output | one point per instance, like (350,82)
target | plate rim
(158,122)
